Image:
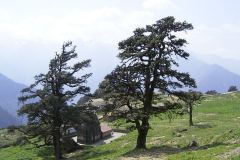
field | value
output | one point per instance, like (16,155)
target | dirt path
(227,155)
(143,158)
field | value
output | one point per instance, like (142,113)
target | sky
(32,31)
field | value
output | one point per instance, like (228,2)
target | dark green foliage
(52,94)
(148,64)
(97,93)
(21,141)
(212,92)
(69,145)
(232,89)
(83,100)
(12,129)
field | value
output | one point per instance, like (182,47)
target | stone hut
(89,132)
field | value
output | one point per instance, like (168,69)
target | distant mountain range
(9,93)
(210,76)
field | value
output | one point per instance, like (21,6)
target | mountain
(9,93)
(7,119)
(230,64)
(210,76)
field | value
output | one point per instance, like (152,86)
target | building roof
(105,128)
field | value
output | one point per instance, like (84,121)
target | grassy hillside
(216,130)
(14,146)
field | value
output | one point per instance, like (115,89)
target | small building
(89,132)
(106,131)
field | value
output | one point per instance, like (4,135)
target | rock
(193,144)
(179,135)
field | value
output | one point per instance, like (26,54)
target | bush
(212,92)
(11,129)
(232,89)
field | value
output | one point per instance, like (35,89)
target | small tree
(83,100)
(212,92)
(148,64)
(52,95)
(232,89)
(191,98)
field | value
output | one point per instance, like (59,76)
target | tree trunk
(142,134)
(190,116)
(57,145)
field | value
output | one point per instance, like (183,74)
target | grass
(216,131)
(25,152)
(13,148)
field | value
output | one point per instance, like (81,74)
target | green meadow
(216,130)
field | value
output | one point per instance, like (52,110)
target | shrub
(11,129)
(232,89)
(212,92)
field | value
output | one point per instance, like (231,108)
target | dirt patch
(145,155)
(144,158)
(156,140)
(227,155)
(210,114)
(233,141)
(208,100)
(155,153)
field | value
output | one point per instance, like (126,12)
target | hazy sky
(31,31)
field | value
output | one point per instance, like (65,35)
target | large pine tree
(148,64)
(51,97)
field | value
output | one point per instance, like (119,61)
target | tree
(212,92)
(52,95)
(83,100)
(148,64)
(191,98)
(232,89)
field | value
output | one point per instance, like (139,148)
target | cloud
(106,24)
(58,28)
(159,4)
(221,40)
